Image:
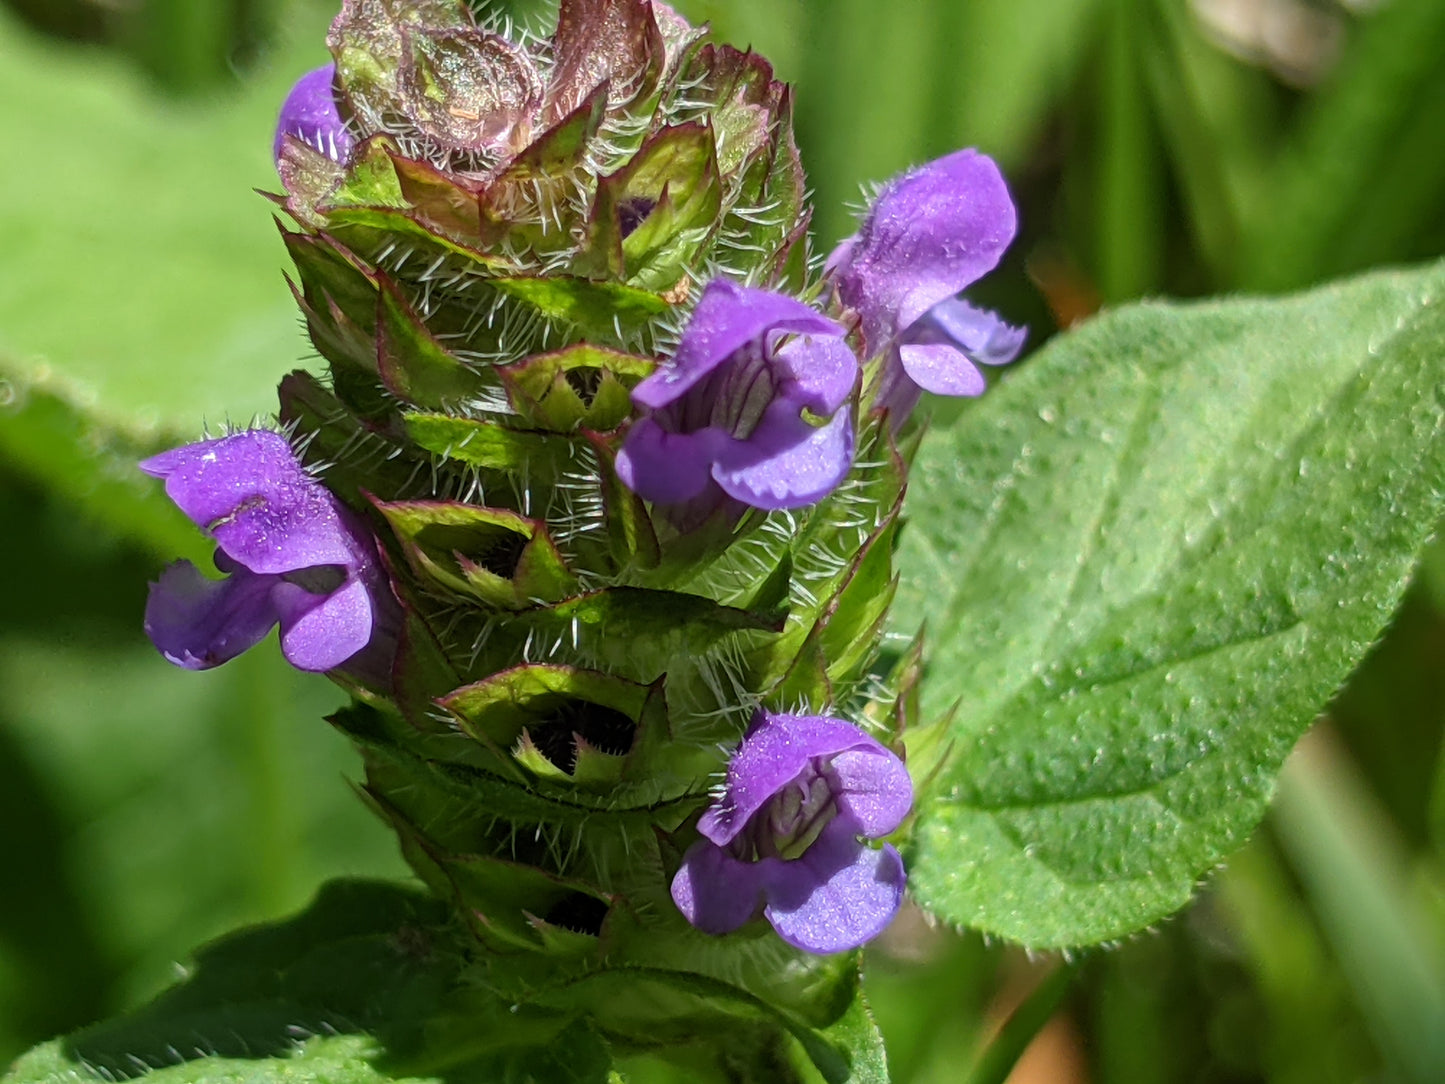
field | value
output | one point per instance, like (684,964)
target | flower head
(803,792)
(294,556)
(729,412)
(310,114)
(930,234)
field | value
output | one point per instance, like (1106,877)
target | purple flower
(294,556)
(729,412)
(930,233)
(803,791)
(310,114)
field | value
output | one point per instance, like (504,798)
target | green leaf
(412,363)
(850,1051)
(366,985)
(634,632)
(142,269)
(74,450)
(1170,537)
(673,184)
(654,1007)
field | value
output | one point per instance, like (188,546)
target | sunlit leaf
(1168,538)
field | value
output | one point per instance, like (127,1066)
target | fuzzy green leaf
(358,466)
(365,986)
(1169,538)
(339,301)
(633,631)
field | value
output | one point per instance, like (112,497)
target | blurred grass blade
(1129,239)
(997,1060)
(1213,112)
(877,73)
(1354,874)
(885,88)
(1303,991)
(1355,144)
(1007,66)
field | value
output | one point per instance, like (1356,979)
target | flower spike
(600,482)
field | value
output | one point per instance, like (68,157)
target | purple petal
(310,115)
(774,753)
(320,632)
(819,373)
(838,895)
(667,468)
(785,462)
(929,234)
(873,788)
(977,332)
(716,892)
(198,623)
(941,369)
(252,496)
(728,317)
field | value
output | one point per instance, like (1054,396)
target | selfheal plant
(596,510)
(293,554)
(618,472)
(802,794)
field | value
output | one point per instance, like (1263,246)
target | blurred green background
(1172,147)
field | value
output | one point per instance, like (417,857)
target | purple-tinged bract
(931,233)
(310,114)
(731,411)
(294,556)
(803,793)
